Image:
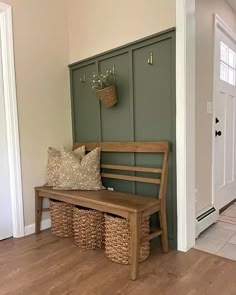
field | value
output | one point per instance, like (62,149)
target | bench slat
(154,233)
(131,178)
(131,168)
(127,147)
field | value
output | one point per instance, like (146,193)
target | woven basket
(89,228)
(61,219)
(107,96)
(117,239)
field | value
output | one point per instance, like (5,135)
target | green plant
(101,81)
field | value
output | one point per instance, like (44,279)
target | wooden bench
(130,206)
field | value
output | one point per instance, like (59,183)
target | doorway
(216,223)
(215,110)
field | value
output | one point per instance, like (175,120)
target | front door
(224,159)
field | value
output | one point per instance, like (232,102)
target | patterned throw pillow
(80,174)
(54,163)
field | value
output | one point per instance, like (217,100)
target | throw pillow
(54,162)
(80,174)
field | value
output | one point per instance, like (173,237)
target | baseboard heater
(205,219)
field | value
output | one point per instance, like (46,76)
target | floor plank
(43,264)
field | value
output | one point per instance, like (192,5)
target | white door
(224,142)
(5,198)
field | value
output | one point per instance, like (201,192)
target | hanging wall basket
(107,96)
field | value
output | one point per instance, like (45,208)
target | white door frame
(219,23)
(6,40)
(185,122)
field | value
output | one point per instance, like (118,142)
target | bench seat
(112,200)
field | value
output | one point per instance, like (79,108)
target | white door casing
(224,116)
(6,230)
(13,146)
(185,122)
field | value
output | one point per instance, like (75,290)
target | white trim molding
(185,122)
(6,43)
(220,23)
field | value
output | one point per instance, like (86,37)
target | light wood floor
(44,265)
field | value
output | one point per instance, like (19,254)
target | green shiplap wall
(145,109)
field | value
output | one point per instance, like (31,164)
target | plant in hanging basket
(104,86)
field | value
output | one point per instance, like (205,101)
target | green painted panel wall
(145,109)
(153,110)
(85,107)
(115,122)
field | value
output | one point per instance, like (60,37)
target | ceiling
(232,3)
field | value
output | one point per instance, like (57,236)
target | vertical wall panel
(117,122)
(153,103)
(152,92)
(113,127)
(85,112)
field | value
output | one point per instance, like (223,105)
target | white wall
(41,58)
(97,26)
(205,11)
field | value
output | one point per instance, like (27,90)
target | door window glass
(231,58)
(227,64)
(224,72)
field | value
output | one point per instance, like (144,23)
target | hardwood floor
(42,264)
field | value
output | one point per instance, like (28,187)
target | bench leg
(38,211)
(163,224)
(135,228)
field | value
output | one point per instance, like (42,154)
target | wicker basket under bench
(132,207)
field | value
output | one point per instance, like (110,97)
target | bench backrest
(134,147)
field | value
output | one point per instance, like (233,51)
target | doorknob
(218,133)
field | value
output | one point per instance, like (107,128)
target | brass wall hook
(150,59)
(112,71)
(83,79)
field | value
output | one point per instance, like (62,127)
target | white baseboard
(30,229)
